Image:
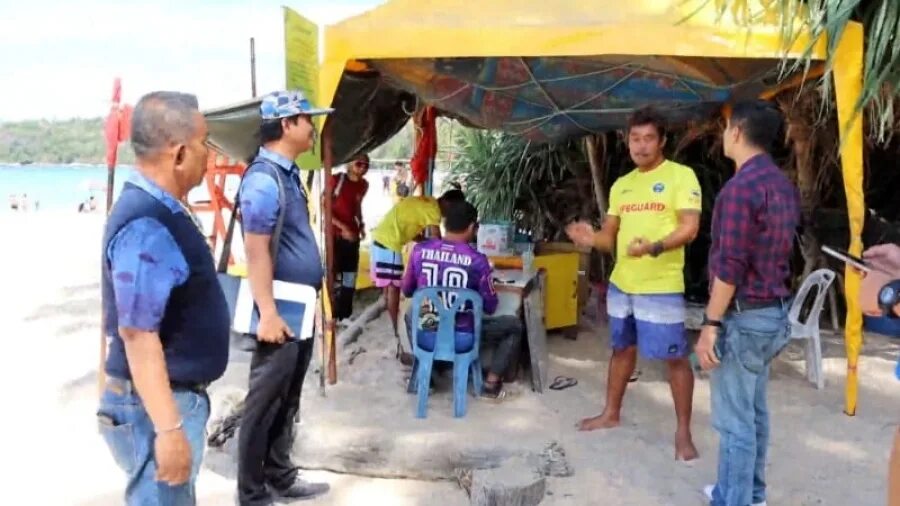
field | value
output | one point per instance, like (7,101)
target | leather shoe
(301,490)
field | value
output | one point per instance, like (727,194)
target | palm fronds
(539,187)
(881,22)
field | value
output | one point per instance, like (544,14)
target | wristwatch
(710,323)
(656,249)
(888,297)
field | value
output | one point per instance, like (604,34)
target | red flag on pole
(116,130)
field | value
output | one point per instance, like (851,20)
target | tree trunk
(595,147)
(514,483)
(799,117)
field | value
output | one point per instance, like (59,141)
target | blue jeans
(747,344)
(128,432)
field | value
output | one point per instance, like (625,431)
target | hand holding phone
(853,261)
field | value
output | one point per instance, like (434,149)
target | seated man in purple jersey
(453,262)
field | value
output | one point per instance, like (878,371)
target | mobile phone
(853,261)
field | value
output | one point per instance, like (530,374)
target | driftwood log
(224,425)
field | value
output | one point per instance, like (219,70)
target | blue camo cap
(284,104)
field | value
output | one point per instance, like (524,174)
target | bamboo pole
(848,71)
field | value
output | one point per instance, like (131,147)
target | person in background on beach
(165,315)
(386,184)
(884,280)
(401,181)
(88,206)
(281,359)
(754,222)
(23,202)
(410,219)
(654,211)
(13,202)
(348,190)
(453,262)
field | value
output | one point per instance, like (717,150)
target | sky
(59,58)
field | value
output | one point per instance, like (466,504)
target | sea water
(58,187)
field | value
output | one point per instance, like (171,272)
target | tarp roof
(422,47)
(545,69)
(233,129)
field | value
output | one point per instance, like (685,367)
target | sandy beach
(55,456)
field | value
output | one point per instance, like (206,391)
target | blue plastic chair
(446,345)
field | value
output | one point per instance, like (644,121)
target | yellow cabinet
(561,291)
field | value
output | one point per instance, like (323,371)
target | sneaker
(301,490)
(708,492)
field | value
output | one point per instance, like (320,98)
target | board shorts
(385,266)
(652,322)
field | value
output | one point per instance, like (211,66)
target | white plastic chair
(809,329)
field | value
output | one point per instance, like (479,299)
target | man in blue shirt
(165,315)
(280,360)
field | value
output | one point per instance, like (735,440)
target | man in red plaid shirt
(745,326)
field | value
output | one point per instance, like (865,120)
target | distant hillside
(81,141)
(66,141)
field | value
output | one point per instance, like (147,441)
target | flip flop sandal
(404,357)
(634,377)
(563,382)
(499,395)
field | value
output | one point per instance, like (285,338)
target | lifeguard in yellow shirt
(654,211)
(409,219)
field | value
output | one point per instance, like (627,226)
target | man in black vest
(272,188)
(166,317)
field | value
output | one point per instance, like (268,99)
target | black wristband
(710,323)
(656,249)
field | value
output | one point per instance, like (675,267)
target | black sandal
(404,357)
(563,382)
(491,390)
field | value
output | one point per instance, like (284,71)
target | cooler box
(495,239)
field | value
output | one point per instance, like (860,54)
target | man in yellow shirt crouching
(654,211)
(409,219)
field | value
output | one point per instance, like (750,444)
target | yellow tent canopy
(552,69)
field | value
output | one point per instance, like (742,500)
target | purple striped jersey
(443,263)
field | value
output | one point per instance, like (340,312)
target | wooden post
(328,335)
(101,368)
(253,67)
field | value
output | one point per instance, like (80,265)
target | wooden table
(522,294)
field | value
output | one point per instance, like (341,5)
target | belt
(743,305)
(126,387)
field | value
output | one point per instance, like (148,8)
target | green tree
(67,141)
